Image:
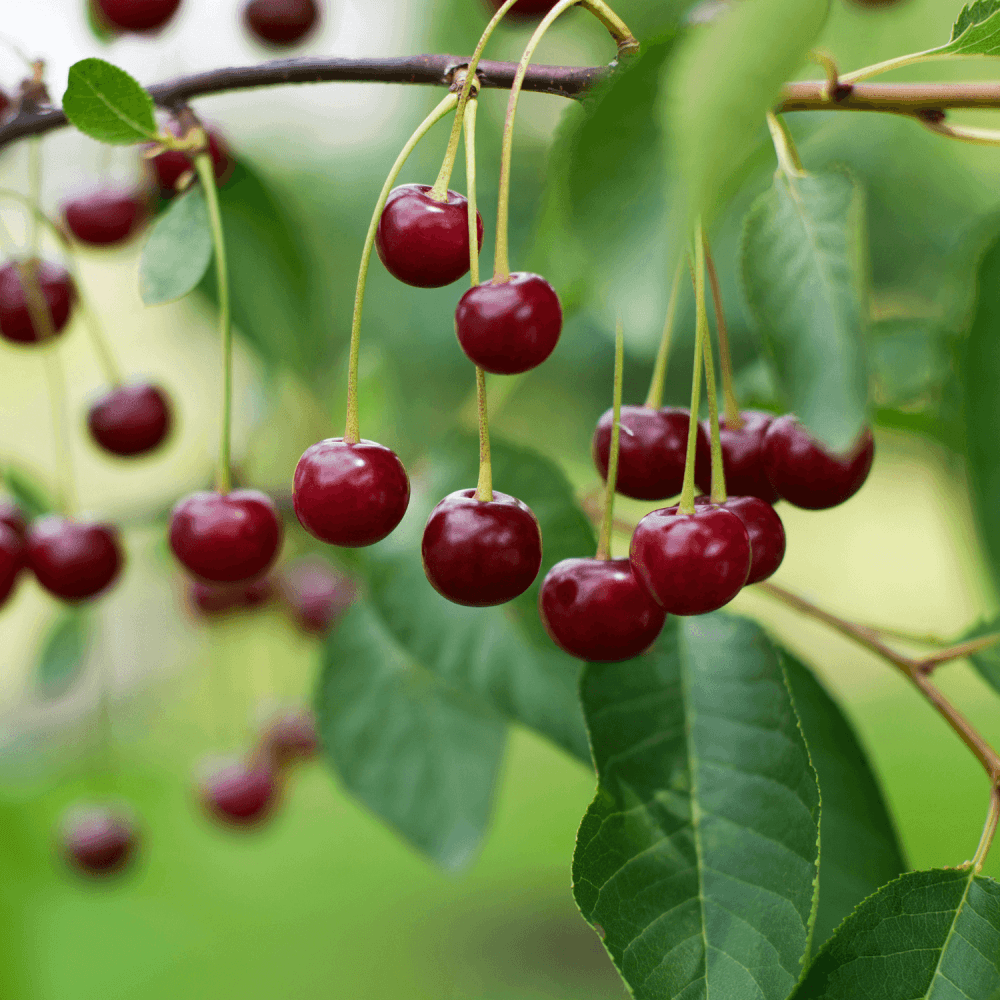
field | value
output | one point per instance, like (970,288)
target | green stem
(34,192)
(989,830)
(607,525)
(718,472)
(654,400)
(206,174)
(899,62)
(352,432)
(733,418)
(784,147)
(66,474)
(701,335)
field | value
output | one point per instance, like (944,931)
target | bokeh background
(327,902)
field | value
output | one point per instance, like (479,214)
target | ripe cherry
(170,165)
(480,553)
(74,560)
(742,458)
(226,538)
(99,841)
(765,530)
(316,593)
(806,474)
(509,327)
(13,516)
(104,217)
(210,599)
(280,22)
(5,104)
(291,738)
(130,420)
(350,494)
(595,609)
(527,8)
(425,242)
(241,794)
(652,449)
(11,560)
(137,15)
(691,563)
(16,323)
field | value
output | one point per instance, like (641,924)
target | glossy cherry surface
(104,217)
(97,840)
(742,458)
(241,794)
(806,474)
(526,8)
(211,599)
(291,738)
(137,15)
(691,563)
(652,448)
(481,553)
(13,516)
(765,530)
(280,22)
(15,317)
(11,560)
(74,560)
(350,494)
(316,593)
(509,327)
(424,242)
(171,164)
(595,609)
(226,538)
(130,420)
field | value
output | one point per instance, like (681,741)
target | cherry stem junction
(733,418)
(701,335)
(654,399)
(607,524)
(784,147)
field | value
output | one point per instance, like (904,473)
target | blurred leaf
(803,270)
(178,251)
(107,104)
(65,650)
(909,357)
(697,861)
(977,30)
(928,934)
(420,754)
(986,661)
(99,28)
(30,497)
(860,850)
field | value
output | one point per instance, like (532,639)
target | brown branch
(894,98)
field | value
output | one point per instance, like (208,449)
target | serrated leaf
(421,755)
(927,936)
(64,652)
(30,497)
(977,30)
(860,850)
(107,104)
(804,276)
(697,861)
(178,251)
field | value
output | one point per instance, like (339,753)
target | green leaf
(107,104)
(927,936)
(910,359)
(986,661)
(859,847)
(64,652)
(803,271)
(178,251)
(697,861)
(30,497)
(977,30)
(421,755)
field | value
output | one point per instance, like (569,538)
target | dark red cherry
(241,794)
(765,530)
(97,840)
(691,563)
(595,609)
(350,494)
(11,560)
(104,217)
(424,242)
(137,15)
(15,317)
(226,538)
(741,458)
(4,104)
(13,516)
(74,560)
(509,327)
(806,474)
(480,553)
(652,448)
(280,22)
(316,593)
(291,738)
(211,599)
(130,420)
(527,8)
(171,164)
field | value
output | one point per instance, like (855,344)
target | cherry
(511,326)
(12,516)
(130,420)
(652,449)
(210,599)
(741,458)
(480,553)
(138,15)
(241,794)
(170,165)
(104,217)
(317,594)
(98,841)
(595,609)
(350,494)
(527,8)
(291,738)
(74,560)
(806,474)
(15,316)
(765,530)
(280,22)
(691,563)
(11,560)
(226,538)
(5,103)
(424,242)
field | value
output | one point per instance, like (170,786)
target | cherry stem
(206,174)
(733,418)
(352,432)
(718,470)
(66,475)
(654,400)
(607,524)
(989,830)
(784,147)
(701,335)
(35,191)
